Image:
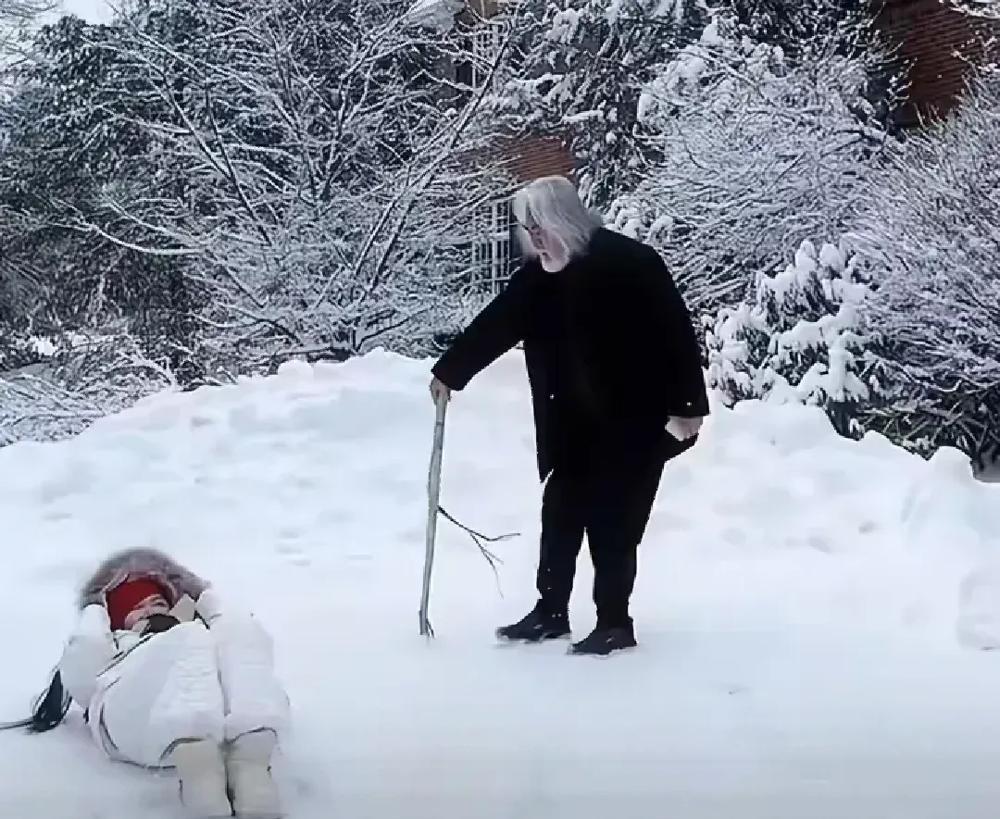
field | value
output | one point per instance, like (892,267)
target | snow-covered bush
(798,339)
(18,349)
(931,236)
(16,17)
(75,383)
(756,153)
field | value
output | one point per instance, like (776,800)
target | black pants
(611,503)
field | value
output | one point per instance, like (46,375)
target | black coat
(609,346)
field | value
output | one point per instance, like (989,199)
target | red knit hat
(126,597)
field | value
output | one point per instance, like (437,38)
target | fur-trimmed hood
(176,579)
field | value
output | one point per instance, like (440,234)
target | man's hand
(440,391)
(683,428)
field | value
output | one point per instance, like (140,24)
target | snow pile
(804,605)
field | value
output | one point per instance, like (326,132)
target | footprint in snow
(76,480)
(820,543)
(734,537)
(293,554)
(304,481)
(56,515)
(410,535)
(333,517)
(666,520)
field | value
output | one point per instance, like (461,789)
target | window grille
(493,253)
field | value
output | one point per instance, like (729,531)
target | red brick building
(938,46)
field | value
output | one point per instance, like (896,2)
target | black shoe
(539,625)
(604,641)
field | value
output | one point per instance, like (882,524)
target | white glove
(87,654)
(209,606)
(185,609)
(683,428)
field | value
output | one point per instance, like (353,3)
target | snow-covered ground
(805,607)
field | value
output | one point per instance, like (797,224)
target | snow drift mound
(792,584)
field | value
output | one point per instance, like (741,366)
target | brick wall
(530,157)
(535,156)
(938,47)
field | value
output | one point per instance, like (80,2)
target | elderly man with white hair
(617,389)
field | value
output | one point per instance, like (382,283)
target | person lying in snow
(169,678)
(617,388)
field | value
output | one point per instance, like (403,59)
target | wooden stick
(433,504)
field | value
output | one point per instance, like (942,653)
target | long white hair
(553,204)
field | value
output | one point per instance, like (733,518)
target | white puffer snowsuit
(210,678)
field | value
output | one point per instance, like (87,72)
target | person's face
(541,240)
(536,233)
(152,605)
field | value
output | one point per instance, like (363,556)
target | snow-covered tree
(73,135)
(795,25)
(931,234)
(798,338)
(579,70)
(756,152)
(214,187)
(304,173)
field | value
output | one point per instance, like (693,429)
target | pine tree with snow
(799,339)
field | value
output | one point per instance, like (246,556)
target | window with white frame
(487,43)
(492,256)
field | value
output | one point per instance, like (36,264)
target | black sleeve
(492,333)
(672,332)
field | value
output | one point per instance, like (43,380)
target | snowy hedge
(931,235)
(798,338)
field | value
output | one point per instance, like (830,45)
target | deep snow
(807,609)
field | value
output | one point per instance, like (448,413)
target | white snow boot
(248,763)
(202,774)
